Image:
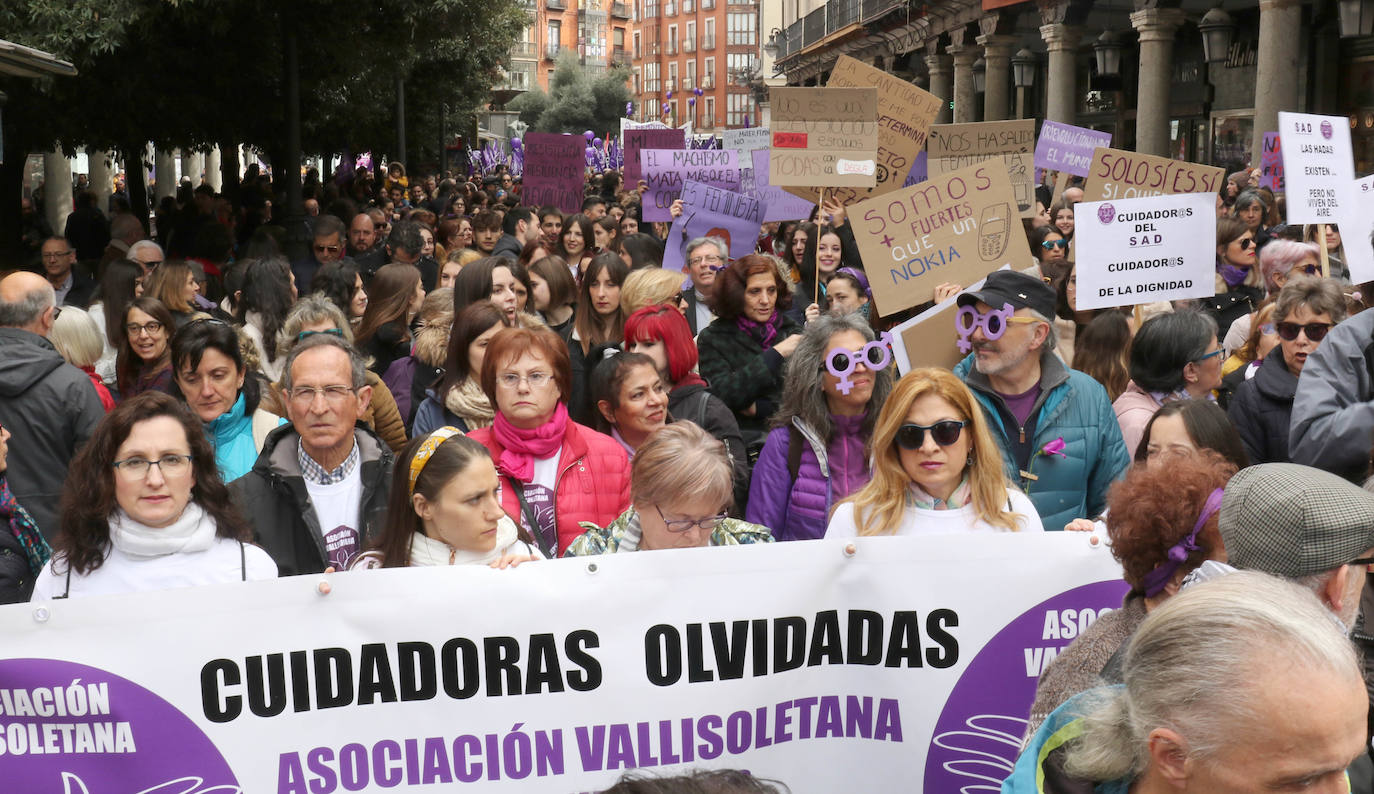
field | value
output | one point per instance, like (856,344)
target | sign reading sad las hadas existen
(1133,251)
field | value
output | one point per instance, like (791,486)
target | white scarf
(426,551)
(194,530)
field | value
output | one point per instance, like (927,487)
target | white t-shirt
(337,507)
(920,521)
(121,573)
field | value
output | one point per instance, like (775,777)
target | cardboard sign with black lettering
(1119,174)
(955,146)
(956,227)
(824,137)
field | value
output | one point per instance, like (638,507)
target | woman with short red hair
(555,473)
(743,351)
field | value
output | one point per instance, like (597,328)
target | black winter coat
(693,403)
(741,373)
(274,499)
(1261,408)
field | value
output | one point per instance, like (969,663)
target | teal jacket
(1039,769)
(1074,407)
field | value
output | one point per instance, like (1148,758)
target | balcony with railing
(834,16)
(689,45)
(556,5)
(688,83)
(515,80)
(551,50)
(528,5)
(619,56)
(709,81)
(670,85)
(705,123)
(525,49)
(620,10)
(672,46)
(708,42)
(670,9)
(651,9)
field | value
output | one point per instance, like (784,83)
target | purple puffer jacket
(828,473)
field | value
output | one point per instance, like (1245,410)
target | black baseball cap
(1022,291)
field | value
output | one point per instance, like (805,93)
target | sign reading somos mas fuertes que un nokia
(1142,250)
(525,681)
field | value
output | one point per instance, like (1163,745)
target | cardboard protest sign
(638,140)
(930,339)
(665,170)
(711,212)
(1357,226)
(746,139)
(1318,167)
(905,113)
(554,166)
(1271,163)
(1064,147)
(956,227)
(1118,174)
(824,137)
(778,204)
(1012,143)
(1142,250)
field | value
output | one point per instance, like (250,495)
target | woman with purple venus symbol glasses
(818,451)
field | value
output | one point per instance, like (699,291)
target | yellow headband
(426,451)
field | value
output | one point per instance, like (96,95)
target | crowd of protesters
(448,376)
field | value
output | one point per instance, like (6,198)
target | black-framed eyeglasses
(912,436)
(1316,332)
(683,524)
(1245,243)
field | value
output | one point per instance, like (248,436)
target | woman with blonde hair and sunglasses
(936,468)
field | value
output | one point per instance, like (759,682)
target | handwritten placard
(930,339)
(665,171)
(638,140)
(778,204)
(1012,143)
(1064,147)
(554,166)
(711,212)
(955,227)
(1318,167)
(1142,250)
(1271,163)
(824,137)
(1118,174)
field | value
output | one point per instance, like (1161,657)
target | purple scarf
(763,333)
(1232,275)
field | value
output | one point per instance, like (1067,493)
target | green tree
(577,100)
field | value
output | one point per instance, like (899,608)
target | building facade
(596,31)
(1192,79)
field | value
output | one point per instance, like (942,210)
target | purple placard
(554,167)
(919,170)
(641,139)
(1271,163)
(1064,147)
(666,170)
(978,735)
(712,212)
(779,205)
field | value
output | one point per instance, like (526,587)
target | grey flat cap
(1291,520)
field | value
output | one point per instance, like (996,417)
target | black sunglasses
(1315,331)
(914,436)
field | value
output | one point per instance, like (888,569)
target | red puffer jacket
(593,480)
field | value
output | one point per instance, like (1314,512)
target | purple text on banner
(711,212)
(1064,147)
(779,205)
(554,167)
(1271,163)
(665,171)
(639,140)
(919,170)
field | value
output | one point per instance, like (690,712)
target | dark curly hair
(88,496)
(728,290)
(1153,507)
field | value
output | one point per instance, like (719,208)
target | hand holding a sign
(945,291)
(788,346)
(835,210)
(676,209)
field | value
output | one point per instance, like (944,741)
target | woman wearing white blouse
(936,468)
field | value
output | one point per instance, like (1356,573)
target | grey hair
(1319,295)
(143,245)
(26,311)
(1052,338)
(1190,668)
(310,310)
(356,362)
(721,248)
(679,460)
(803,390)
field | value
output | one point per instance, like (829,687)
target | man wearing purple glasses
(1060,440)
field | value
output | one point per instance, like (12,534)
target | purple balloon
(669,95)
(589,135)
(692,101)
(696,91)
(596,142)
(590,151)
(516,143)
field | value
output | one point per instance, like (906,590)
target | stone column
(941,84)
(1061,76)
(1156,27)
(165,172)
(212,174)
(997,52)
(964,94)
(102,177)
(1276,70)
(57,190)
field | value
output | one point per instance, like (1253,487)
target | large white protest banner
(908,665)
(1143,250)
(1318,166)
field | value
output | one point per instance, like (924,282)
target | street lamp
(1023,66)
(774,43)
(1356,17)
(980,76)
(1107,48)
(1217,28)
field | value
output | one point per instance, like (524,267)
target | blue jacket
(1074,407)
(238,438)
(1039,768)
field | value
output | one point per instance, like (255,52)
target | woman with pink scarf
(554,472)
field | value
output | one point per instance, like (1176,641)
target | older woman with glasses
(144,508)
(555,473)
(1174,356)
(680,491)
(1280,261)
(936,468)
(1262,406)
